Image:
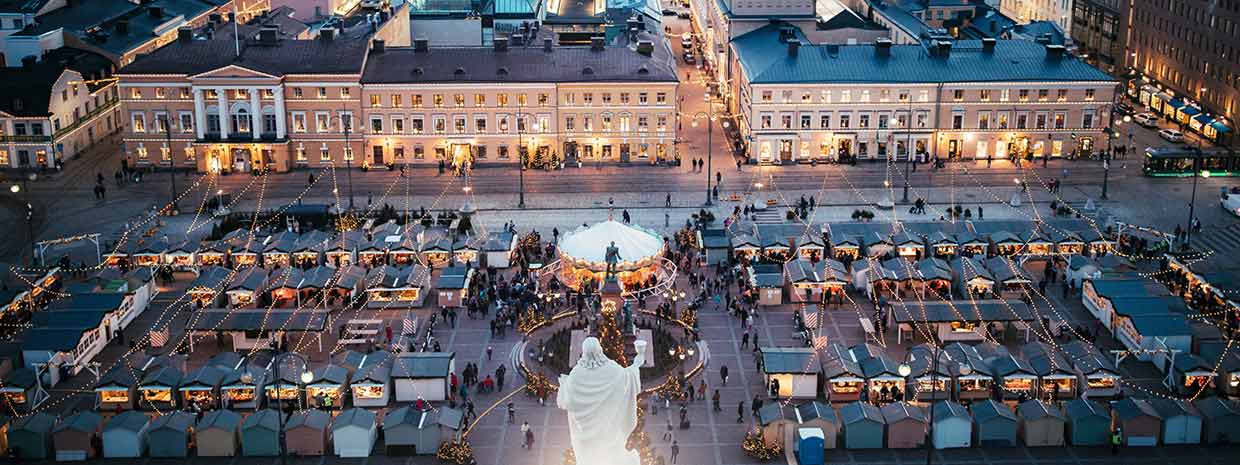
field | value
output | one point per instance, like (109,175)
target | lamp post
(1192,204)
(172,172)
(346,123)
(16,189)
(709,115)
(1106,161)
(904,369)
(306,377)
(908,155)
(520,157)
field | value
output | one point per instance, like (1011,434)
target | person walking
(745,339)
(667,435)
(1117,437)
(529,435)
(715,401)
(667,202)
(675,451)
(512,413)
(740,411)
(723,374)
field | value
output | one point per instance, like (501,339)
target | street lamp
(15,189)
(709,114)
(306,377)
(1192,204)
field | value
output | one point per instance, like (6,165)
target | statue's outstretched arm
(640,359)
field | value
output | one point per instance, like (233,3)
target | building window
(416,125)
(374,101)
(1087,120)
(904,96)
(301,154)
(958,95)
(569,123)
(502,123)
(297,92)
(1089,94)
(1062,95)
(324,154)
(845,96)
(142,154)
(863,121)
(185,93)
(267,94)
(459,100)
(480,151)
(419,152)
(1060,120)
(437,100)
(824,121)
(643,98)
(139,123)
(1022,121)
(785,121)
(807,121)
(187,122)
(323,94)
(480,100)
(269,124)
(957,121)
(376,124)
(660,98)
(882,121)
(439,124)
(322,122)
(884,95)
(1024,95)
(160,92)
(348,153)
(416,101)
(1043,94)
(766,121)
(1040,121)
(398,153)
(458,124)
(480,124)
(346,121)
(767,96)
(1004,94)
(865,95)
(984,95)
(345,93)
(606,98)
(587,98)
(845,120)
(397,100)
(190,155)
(661,123)
(135,93)
(983,121)
(1003,120)
(502,151)
(642,123)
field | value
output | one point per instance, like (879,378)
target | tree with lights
(609,335)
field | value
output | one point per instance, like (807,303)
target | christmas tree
(609,335)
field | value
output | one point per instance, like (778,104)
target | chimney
(793,46)
(1054,51)
(156,12)
(376,46)
(547,43)
(501,44)
(943,48)
(421,45)
(185,34)
(122,27)
(597,43)
(1044,39)
(882,47)
(988,44)
(269,35)
(327,34)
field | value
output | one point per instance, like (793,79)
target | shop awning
(1203,119)
(1190,110)
(1173,102)
(1220,126)
(1149,88)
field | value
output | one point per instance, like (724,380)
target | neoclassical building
(951,100)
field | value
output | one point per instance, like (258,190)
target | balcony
(241,138)
(26,139)
(87,118)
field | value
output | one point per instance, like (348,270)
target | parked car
(373,4)
(1171,135)
(1231,201)
(683,15)
(1146,119)
(667,12)
(1124,108)
(689,58)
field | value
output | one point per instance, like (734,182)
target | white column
(225,118)
(200,114)
(280,113)
(256,113)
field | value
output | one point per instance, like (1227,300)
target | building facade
(1099,30)
(53,109)
(1027,11)
(1189,48)
(283,109)
(979,100)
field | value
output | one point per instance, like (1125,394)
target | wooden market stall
(240,390)
(218,434)
(814,414)
(906,425)
(253,329)
(245,287)
(436,426)
(354,433)
(791,372)
(1011,280)
(768,281)
(260,434)
(124,436)
(1037,246)
(942,245)
(372,382)
(308,433)
(929,380)
(1042,424)
(814,282)
(845,247)
(1007,244)
(995,424)
(281,287)
(207,289)
(1057,379)
(171,435)
(1220,420)
(180,255)
(30,436)
(1015,376)
(400,431)
(1181,422)
(862,424)
(972,278)
(776,419)
(278,249)
(499,249)
(1089,423)
(20,391)
(1138,421)
(284,392)
(908,246)
(309,248)
(157,389)
(1099,378)
(953,425)
(75,436)
(341,251)
(452,288)
(327,388)
(423,375)
(716,244)
(202,386)
(842,376)
(397,287)
(810,246)
(977,384)
(972,244)
(882,373)
(961,320)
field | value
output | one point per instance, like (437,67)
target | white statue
(600,397)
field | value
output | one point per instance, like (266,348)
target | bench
(365,322)
(364,332)
(353,342)
(868,327)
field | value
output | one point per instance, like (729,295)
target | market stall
(934,278)
(371,383)
(1041,423)
(972,245)
(19,391)
(862,424)
(1011,280)
(878,245)
(1220,420)
(404,249)
(1138,419)
(260,434)
(791,372)
(746,246)
(1089,423)
(1181,422)
(341,251)
(716,245)
(961,320)
(976,384)
(942,245)
(775,419)
(1099,378)
(214,253)
(75,436)
(281,287)
(882,373)
(953,425)
(309,248)
(327,387)
(245,287)
(906,425)
(436,426)
(1057,380)
(995,424)
(583,254)
(373,252)
(810,246)
(306,433)
(400,431)
(157,389)
(845,248)
(217,433)
(171,435)
(768,281)
(1007,244)
(239,389)
(354,433)
(929,380)
(180,255)
(814,282)
(149,252)
(1037,246)
(814,414)
(498,250)
(124,436)
(908,246)
(30,436)
(452,288)
(423,375)
(252,329)
(202,387)
(285,391)
(208,287)
(972,278)
(1192,374)
(1015,376)
(776,248)
(1066,242)
(395,287)
(278,249)
(842,375)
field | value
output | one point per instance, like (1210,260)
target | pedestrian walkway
(1222,241)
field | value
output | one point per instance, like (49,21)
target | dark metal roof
(1035,409)
(977,310)
(518,64)
(814,410)
(226,420)
(1129,408)
(175,420)
(861,411)
(947,409)
(130,420)
(356,417)
(775,411)
(798,360)
(267,419)
(989,409)
(423,365)
(84,421)
(1080,408)
(244,320)
(900,411)
(310,418)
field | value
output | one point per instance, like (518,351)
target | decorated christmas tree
(609,335)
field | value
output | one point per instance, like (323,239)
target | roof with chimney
(119,26)
(277,55)
(520,64)
(27,89)
(767,57)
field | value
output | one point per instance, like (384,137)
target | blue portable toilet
(810,447)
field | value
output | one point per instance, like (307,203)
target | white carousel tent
(584,251)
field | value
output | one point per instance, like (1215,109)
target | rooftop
(520,64)
(119,26)
(28,90)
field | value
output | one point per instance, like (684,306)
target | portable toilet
(809,446)
(1181,421)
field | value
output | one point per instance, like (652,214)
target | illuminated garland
(756,448)
(689,316)
(610,337)
(529,320)
(456,451)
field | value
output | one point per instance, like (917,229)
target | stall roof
(350,359)
(931,268)
(248,279)
(921,361)
(825,271)
(900,411)
(1045,360)
(1215,407)
(814,410)
(1080,408)
(1034,409)
(331,374)
(174,420)
(375,368)
(312,418)
(208,375)
(212,278)
(449,417)
(800,360)
(976,310)
(226,420)
(990,408)
(129,420)
(947,409)
(22,377)
(316,278)
(167,376)
(1010,364)
(968,269)
(84,421)
(1004,269)
(226,360)
(1129,408)
(423,365)
(1162,325)
(837,361)
(404,416)
(39,422)
(1168,408)
(860,411)
(775,411)
(356,417)
(1087,358)
(254,319)
(267,419)
(453,277)
(767,276)
(1155,305)
(969,354)
(90,301)
(1112,288)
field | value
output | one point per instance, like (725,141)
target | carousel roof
(590,243)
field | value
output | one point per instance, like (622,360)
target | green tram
(1184,161)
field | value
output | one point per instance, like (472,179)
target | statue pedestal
(642,335)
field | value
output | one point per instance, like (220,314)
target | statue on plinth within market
(612,256)
(600,397)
